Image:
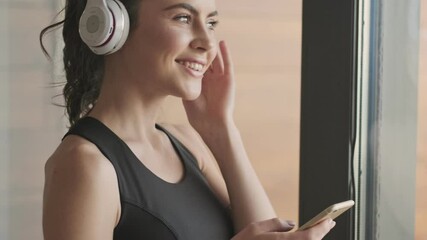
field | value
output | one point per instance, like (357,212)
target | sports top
(152,208)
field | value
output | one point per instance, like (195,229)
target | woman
(118,174)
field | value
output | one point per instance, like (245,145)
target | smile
(192,65)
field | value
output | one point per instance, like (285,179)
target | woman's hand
(215,104)
(276,229)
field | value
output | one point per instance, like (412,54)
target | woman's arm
(249,202)
(81,197)
(248,199)
(211,115)
(273,228)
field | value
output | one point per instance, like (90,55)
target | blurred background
(265,42)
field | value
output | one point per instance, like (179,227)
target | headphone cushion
(120,31)
(126,24)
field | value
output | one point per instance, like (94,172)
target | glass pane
(421,205)
(389,137)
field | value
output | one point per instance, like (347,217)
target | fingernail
(333,223)
(291,223)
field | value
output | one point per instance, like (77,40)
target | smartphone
(331,212)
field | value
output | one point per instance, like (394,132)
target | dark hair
(84,70)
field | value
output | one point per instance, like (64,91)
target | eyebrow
(189,8)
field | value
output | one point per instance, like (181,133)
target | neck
(127,106)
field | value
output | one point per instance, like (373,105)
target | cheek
(168,39)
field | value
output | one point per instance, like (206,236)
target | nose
(204,38)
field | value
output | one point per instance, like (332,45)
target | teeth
(195,66)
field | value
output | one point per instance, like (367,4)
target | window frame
(328,119)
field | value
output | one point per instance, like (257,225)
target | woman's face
(173,44)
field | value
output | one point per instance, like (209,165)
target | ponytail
(84,70)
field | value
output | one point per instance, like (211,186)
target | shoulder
(79,156)
(79,182)
(191,139)
(79,165)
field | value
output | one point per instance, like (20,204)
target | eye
(212,24)
(183,18)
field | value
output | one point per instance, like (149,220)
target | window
(359,116)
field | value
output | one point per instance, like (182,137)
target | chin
(189,96)
(191,92)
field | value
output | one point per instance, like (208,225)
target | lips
(192,66)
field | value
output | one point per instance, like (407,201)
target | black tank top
(152,208)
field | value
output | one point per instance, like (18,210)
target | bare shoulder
(75,153)
(81,197)
(76,157)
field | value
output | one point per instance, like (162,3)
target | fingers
(314,233)
(226,57)
(264,230)
(222,62)
(290,223)
(217,64)
(274,225)
(320,230)
(275,229)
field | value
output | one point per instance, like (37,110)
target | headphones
(104,26)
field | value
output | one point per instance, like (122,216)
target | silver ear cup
(96,23)
(115,33)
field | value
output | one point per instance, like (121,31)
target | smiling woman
(118,173)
